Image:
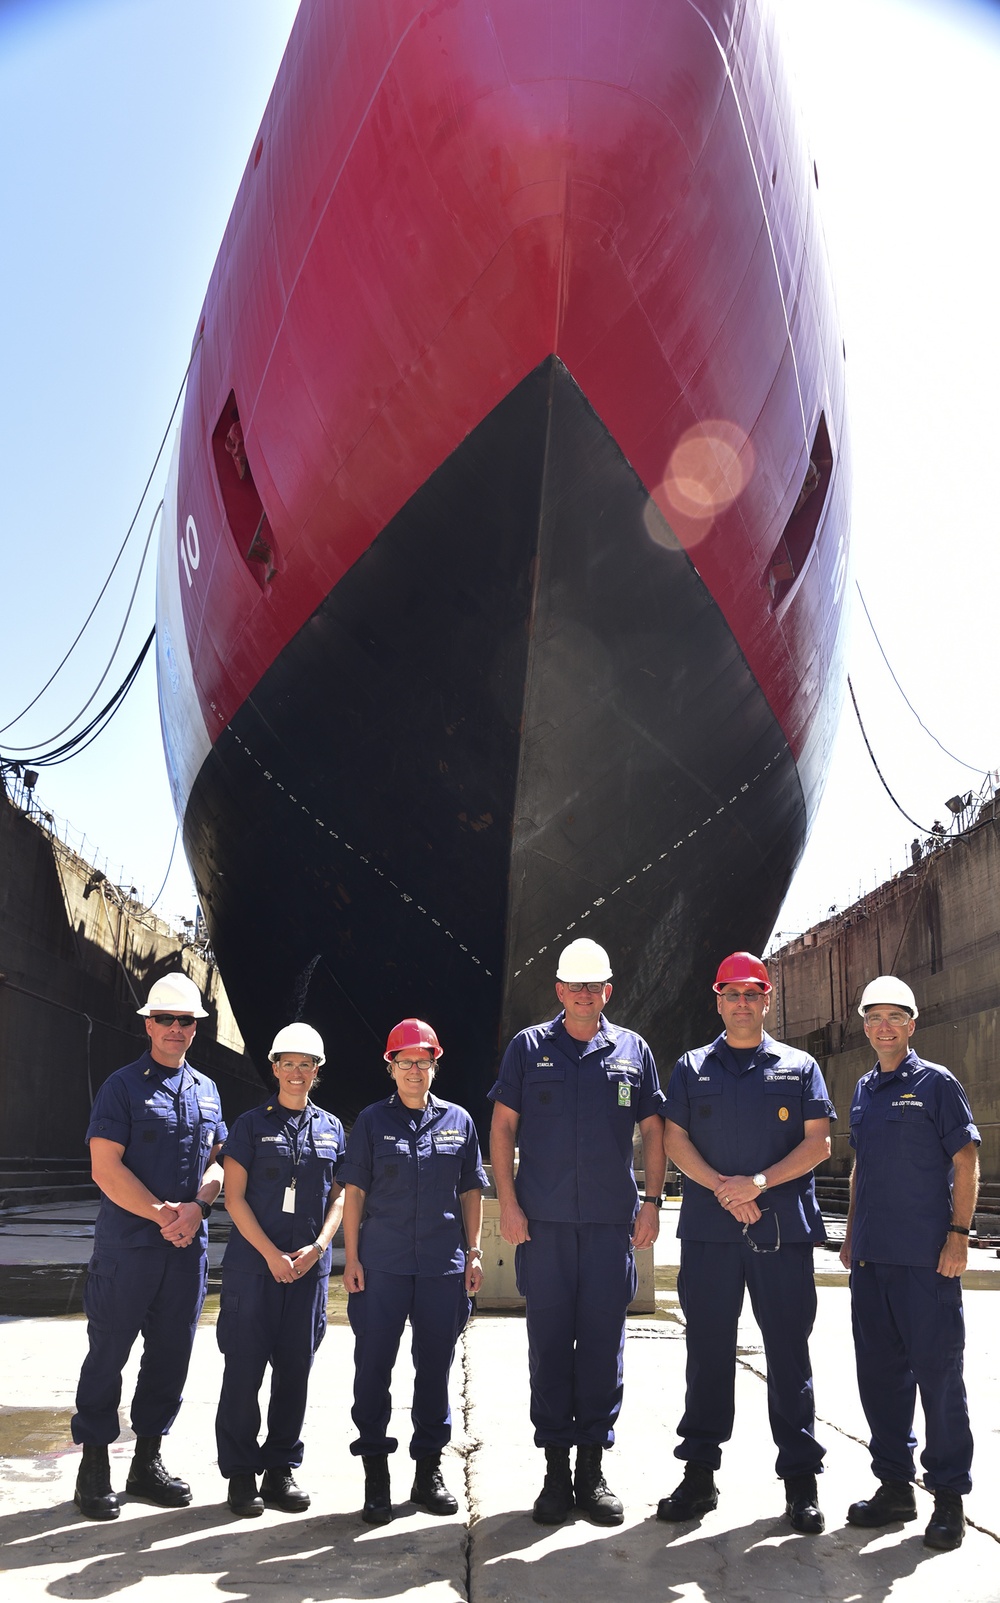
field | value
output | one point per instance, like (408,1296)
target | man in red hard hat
(747,1121)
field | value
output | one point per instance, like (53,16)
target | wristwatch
(760,1181)
(474,1252)
(206,1207)
(656,1201)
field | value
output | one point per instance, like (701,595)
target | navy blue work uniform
(414,1165)
(263,1322)
(745,1110)
(578,1103)
(909,1328)
(168,1121)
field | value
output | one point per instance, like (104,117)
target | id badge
(288,1206)
(624,1094)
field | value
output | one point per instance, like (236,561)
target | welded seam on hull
(737,42)
(362,122)
(599,901)
(362,856)
(585,913)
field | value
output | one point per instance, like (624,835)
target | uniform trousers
(909,1333)
(438,1309)
(711,1283)
(577,1281)
(262,1322)
(154,1291)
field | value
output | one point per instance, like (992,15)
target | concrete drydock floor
(491,1550)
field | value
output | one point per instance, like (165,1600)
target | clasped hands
(179,1222)
(737,1194)
(287,1267)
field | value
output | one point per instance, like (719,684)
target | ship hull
(501,593)
(500,730)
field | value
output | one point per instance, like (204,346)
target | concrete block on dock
(499,1288)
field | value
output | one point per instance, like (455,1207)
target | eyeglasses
(595,987)
(897,1020)
(185,1020)
(751,1243)
(424,1064)
(742,996)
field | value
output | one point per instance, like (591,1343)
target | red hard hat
(410,1033)
(741,968)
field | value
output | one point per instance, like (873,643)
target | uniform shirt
(579,1103)
(905,1128)
(413,1165)
(742,1119)
(274,1144)
(168,1121)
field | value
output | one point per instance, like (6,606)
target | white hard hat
(890,992)
(583,960)
(298,1038)
(175,993)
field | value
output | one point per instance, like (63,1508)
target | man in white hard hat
(913,1198)
(747,1121)
(154,1132)
(571,1093)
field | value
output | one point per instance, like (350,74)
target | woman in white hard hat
(413,1209)
(279,1161)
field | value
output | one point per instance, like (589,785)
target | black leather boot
(279,1490)
(93,1496)
(243,1497)
(695,1495)
(149,1480)
(591,1491)
(893,1501)
(947,1523)
(802,1504)
(378,1503)
(555,1499)
(429,1489)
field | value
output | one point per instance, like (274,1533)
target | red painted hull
(444,197)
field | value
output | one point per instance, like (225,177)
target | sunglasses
(185,1020)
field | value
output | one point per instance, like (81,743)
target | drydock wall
(937,926)
(76,960)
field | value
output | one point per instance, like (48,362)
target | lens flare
(708,468)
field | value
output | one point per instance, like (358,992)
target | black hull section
(518,718)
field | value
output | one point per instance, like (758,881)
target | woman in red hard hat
(413,1207)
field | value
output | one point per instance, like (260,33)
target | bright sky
(125,126)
